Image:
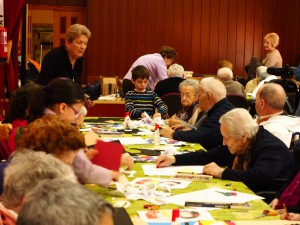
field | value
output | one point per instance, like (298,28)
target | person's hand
(156,115)
(89,103)
(290,216)
(213,169)
(5,130)
(164,160)
(274,203)
(167,132)
(174,121)
(115,175)
(127,160)
(181,126)
(90,153)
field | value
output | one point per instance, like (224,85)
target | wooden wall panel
(202,32)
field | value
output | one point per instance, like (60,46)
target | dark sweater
(168,85)
(57,64)
(208,134)
(270,159)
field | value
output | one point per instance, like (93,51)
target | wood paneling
(202,32)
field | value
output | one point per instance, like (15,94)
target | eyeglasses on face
(77,113)
(186,95)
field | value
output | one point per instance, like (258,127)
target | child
(141,100)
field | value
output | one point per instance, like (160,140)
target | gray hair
(26,169)
(214,86)
(225,73)
(260,71)
(191,83)
(238,122)
(274,95)
(175,70)
(60,201)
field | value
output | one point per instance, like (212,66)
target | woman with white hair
(170,84)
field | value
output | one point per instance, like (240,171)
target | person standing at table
(67,60)
(249,154)
(273,57)
(156,64)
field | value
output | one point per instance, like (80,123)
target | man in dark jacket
(249,154)
(212,100)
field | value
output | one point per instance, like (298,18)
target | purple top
(155,64)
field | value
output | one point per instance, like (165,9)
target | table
(107,108)
(256,209)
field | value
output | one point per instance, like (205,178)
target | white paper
(162,183)
(151,170)
(186,215)
(211,195)
(128,140)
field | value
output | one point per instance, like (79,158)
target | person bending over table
(249,153)
(212,100)
(140,99)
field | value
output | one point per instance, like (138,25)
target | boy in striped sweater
(140,100)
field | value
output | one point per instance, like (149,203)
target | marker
(218,205)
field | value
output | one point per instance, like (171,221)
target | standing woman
(273,57)
(67,60)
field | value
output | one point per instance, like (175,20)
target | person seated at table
(25,170)
(141,100)
(232,87)
(170,84)
(190,112)
(225,63)
(65,98)
(212,100)
(269,105)
(249,154)
(60,201)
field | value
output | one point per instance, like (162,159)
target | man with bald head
(213,101)
(269,105)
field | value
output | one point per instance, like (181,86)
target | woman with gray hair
(249,154)
(170,84)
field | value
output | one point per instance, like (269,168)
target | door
(62,19)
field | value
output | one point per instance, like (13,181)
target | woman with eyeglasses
(65,98)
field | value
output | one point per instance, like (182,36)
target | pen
(218,205)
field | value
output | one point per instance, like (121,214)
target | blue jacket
(208,134)
(270,159)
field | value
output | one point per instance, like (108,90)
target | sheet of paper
(91,138)
(212,195)
(128,140)
(151,170)
(162,183)
(186,215)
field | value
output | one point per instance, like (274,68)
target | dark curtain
(12,20)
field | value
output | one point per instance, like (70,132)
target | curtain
(12,20)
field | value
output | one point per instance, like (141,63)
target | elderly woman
(273,57)
(171,84)
(190,112)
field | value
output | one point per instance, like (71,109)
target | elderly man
(170,84)
(269,105)
(212,100)
(249,154)
(232,87)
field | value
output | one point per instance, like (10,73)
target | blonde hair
(273,38)
(77,30)
(225,63)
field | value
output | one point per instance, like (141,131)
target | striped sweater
(138,102)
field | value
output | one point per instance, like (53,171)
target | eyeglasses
(187,95)
(77,113)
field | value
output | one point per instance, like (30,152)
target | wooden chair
(109,85)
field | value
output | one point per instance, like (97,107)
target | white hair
(225,73)
(214,86)
(175,70)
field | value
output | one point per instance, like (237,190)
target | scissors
(227,193)
(267,213)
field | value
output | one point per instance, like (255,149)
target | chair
(109,85)
(238,101)
(173,102)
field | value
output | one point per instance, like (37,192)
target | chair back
(173,102)
(238,101)
(109,85)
